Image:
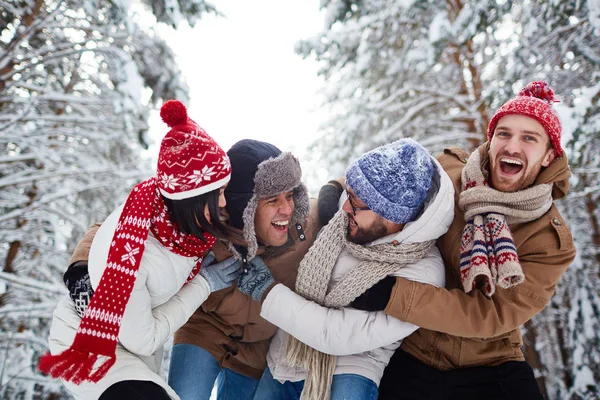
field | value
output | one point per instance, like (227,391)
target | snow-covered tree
(77,81)
(402,69)
(436,71)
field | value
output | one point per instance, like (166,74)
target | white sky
(245,79)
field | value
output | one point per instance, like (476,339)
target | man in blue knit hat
(399,201)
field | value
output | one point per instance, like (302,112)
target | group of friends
(408,278)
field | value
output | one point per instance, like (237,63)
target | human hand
(77,280)
(257,280)
(222,274)
(328,201)
(377,296)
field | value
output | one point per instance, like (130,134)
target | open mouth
(351,223)
(280,225)
(510,166)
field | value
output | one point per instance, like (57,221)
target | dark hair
(188,216)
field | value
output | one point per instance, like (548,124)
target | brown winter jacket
(464,330)
(228,324)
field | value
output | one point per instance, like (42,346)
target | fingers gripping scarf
(488,256)
(314,274)
(98,331)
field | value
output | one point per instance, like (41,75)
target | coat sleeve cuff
(403,294)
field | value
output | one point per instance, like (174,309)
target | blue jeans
(343,387)
(193,371)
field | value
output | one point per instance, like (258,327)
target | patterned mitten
(257,280)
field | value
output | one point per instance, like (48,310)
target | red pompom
(540,90)
(173,112)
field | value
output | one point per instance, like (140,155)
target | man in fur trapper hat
(399,201)
(506,250)
(226,340)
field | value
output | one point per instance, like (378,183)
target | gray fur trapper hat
(261,170)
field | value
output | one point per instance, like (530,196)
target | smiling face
(519,148)
(272,218)
(365,225)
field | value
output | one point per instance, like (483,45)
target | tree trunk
(532,356)
(462,56)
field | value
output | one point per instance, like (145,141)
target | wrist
(261,290)
(267,291)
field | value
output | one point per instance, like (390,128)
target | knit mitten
(329,198)
(257,280)
(77,280)
(222,274)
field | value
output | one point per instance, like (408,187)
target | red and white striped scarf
(98,331)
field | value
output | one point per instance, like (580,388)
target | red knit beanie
(534,100)
(190,162)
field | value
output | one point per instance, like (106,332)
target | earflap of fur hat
(301,204)
(249,230)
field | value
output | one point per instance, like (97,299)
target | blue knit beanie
(393,180)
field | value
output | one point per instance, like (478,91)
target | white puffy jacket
(160,303)
(363,341)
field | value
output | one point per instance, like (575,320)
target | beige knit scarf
(488,255)
(314,274)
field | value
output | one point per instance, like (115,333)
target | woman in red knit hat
(147,269)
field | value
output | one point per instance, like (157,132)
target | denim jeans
(193,371)
(343,387)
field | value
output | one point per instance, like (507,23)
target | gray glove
(257,280)
(222,274)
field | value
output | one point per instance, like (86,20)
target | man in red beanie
(514,247)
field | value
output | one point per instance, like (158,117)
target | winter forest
(78,79)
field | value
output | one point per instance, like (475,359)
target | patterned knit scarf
(98,331)
(488,256)
(314,274)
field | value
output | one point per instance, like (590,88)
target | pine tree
(77,81)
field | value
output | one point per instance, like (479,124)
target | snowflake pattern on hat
(190,162)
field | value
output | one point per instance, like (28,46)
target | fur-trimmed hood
(261,170)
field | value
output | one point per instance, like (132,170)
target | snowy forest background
(78,79)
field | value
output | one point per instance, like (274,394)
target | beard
(525,181)
(366,235)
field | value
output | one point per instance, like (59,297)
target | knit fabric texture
(77,281)
(393,180)
(488,254)
(190,162)
(535,101)
(314,275)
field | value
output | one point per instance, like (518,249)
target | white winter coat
(363,341)
(160,303)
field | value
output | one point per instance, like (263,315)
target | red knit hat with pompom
(534,100)
(190,162)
